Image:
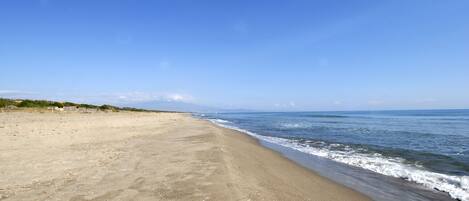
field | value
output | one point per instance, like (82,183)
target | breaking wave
(456,186)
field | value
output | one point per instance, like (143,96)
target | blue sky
(267,55)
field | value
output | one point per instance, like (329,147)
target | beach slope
(145,156)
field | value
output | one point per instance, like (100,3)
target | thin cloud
(103,98)
(16,94)
(3,92)
(134,97)
(290,104)
(175,97)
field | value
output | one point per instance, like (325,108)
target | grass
(27,103)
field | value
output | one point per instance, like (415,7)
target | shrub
(34,103)
(6,102)
(57,104)
(70,104)
(107,107)
(87,106)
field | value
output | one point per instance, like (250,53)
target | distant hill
(182,107)
(173,106)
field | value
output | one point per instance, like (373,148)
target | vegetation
(38,103)
(6,102)
(26,103)
(87,106)
(70,104)
(108,107)
(133,109)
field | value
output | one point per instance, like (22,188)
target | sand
(145,156)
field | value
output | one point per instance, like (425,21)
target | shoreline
(146,156)
(356,178)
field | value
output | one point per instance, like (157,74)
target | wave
(456,186)
(294,125)
(219,121)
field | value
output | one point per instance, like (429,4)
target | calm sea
(427,147)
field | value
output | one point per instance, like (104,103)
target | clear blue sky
(269,55)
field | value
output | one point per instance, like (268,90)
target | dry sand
(145,156)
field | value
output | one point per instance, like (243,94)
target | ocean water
(427,147)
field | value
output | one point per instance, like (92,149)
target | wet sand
(145,156)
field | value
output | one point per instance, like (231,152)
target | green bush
(108,107)
(39,103)
(70,104)
(57,104)
(35,103)
(6,102)
(133,109)
(87,106)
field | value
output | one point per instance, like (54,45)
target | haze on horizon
(263,55)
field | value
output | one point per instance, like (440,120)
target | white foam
(295,125)
(456,186)
(219,121)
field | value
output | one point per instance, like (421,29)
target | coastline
(146,156)
(372,184)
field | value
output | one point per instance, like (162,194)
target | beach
(387,155)
(145,156)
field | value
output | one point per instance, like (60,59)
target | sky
(260,55)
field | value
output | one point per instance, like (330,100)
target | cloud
(16,94)
(102,98)
(290,104)
(136,96)
(7,92)
(174,97)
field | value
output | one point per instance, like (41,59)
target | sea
(387,155)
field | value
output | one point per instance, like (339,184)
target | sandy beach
(145,156)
